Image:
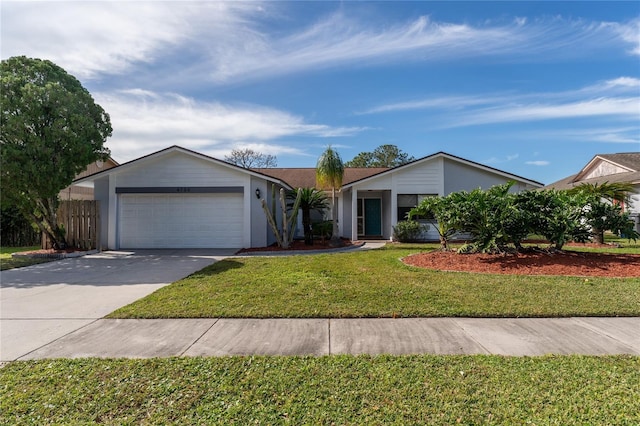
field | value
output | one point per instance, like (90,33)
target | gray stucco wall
(101,193)
(387,229)
(459,177)
(259,225)
(347,214)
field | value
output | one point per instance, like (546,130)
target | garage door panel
(181,220)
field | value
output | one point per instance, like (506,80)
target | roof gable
(603,165)
(442,154)
(131,165)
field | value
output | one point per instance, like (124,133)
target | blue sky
(532,88)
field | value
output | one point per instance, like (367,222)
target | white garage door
(181,220)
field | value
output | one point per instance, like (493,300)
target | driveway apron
(42,303)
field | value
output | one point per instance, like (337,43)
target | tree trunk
(335,235)
(599,235)
(47,222)
(306,224)
(444,246)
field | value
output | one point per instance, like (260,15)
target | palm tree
(329,173)
(311,199)
(616,192)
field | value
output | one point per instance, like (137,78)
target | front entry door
(373,216)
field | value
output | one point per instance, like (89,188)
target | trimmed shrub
(408,231)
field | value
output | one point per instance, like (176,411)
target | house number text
(183,189)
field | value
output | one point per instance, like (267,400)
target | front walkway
(142,338)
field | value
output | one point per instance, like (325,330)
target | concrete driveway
(42,303)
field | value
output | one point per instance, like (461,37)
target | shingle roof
(306,177)
(629,160)
(570,182)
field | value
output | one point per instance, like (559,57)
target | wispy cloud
(618,97)
(496,160)
(617,135)
(339,39)
(625,107)
(446,102)
(145,121)
(235,41)
(93,38)
(630,33)
(537,163)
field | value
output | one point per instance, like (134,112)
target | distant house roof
(306,177)
(630,160)
(628,164)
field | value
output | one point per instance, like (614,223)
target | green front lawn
(8,262)
(342,390)
(376,284)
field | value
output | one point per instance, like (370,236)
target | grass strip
(382,390)
(377,284)
(8,262)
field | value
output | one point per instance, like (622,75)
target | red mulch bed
(51,251)
(533,263)
(298,245)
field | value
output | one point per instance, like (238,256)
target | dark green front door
(372,217)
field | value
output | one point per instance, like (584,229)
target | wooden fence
(81,221)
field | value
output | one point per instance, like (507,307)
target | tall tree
(329,174)
(382,156)
(51,130)
(249,158)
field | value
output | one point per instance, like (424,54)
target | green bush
(322,229)
(408,231)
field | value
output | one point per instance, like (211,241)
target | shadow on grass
(217,268)
(426,247)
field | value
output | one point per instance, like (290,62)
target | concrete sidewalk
(107,338)
(41,303)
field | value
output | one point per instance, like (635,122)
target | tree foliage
(616,191)
(311,199)
(604,210)
(249,158)
(51,130)
(329,174)
(497,219)
(441,213)
(382,156)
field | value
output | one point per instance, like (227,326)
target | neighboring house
(178,198)
(75,192)
(611,168)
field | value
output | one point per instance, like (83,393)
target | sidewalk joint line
(58,338)
(199,337)
(329,334)
(470,336)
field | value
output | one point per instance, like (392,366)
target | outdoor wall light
(258,193)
